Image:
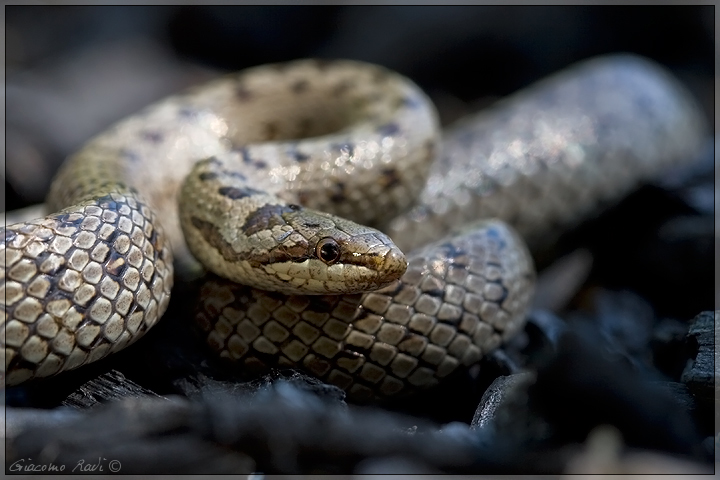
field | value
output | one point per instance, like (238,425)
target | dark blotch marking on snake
(205,176)
(342,87)
(300,157)
(265,218)
(234,193)
(389,178)
(245,153)
(300,86)
(243,93)
(457,254)
(388,129)
(153,136)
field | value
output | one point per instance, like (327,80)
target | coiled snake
(268,164)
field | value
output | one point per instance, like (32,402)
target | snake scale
(278,168)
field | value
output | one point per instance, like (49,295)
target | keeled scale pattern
(79,285)
(450,308)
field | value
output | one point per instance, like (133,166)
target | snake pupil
(328,250)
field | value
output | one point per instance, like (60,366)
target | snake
(300,185)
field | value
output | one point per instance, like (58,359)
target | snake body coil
(273,167)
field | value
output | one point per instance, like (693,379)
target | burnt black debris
(701,374)
(585,386)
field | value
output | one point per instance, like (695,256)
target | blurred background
(74,70)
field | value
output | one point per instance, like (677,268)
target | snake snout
(395,265)
(377,260)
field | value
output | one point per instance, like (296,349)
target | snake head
(323,254)
(295,251)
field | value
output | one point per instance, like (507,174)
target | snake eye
(328,250)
